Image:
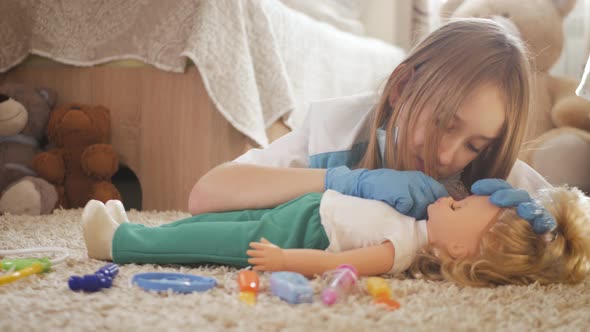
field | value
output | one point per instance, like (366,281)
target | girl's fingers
(259,268)
(261,246)
(256,245)
(267,242)
(255,253)
(255,261)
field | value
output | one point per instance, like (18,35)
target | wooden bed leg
(183,136)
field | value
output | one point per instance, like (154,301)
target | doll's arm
(373,260)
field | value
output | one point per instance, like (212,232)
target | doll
(476,241)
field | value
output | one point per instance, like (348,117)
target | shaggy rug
(45,303)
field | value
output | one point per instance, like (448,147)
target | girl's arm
(368,261)
(233,186)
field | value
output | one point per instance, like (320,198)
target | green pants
(222,238)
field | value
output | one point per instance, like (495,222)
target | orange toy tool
(249,283)
(379,289)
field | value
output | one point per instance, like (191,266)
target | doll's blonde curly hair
(511,253)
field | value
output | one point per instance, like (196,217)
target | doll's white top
(352,223)
(335,133)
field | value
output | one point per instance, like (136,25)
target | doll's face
(477,122)
(459,225)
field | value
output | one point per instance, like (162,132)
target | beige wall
(393,20)
(577,42)
(389,20)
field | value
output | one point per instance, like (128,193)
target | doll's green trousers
(222,238)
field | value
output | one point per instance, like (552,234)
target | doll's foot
(98,228)
(117,211)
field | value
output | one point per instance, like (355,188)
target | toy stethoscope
(22,267)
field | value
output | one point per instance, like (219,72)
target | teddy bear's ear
(54,118)
(49,95)
(564,7)
(101,116)
(448,8)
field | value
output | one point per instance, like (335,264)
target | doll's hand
(266,256)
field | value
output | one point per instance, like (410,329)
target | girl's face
(459,225)
(476,124)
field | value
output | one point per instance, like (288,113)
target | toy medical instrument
(19,268)
(177,282)
(291,287)
(249,283)
(379,289)
(27,271)
(339,282)
(102,278)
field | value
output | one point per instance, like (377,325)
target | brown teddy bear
(558,132)
(82,163)
(23,117)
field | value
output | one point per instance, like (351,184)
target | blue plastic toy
(177,282)
(291,287)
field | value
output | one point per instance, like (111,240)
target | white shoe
(98,229)
(116,210)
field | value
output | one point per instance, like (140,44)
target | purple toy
(102,278)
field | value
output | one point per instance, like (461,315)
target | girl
(456,109)
(472,241)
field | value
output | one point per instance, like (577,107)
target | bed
(191,84)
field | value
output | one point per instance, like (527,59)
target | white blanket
(259,59)
(287,60)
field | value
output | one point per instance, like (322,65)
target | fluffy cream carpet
(44,302)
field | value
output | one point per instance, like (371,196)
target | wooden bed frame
(164,126)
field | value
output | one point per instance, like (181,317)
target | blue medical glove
(486,187)
(409,192)
(501,192)
(540,219)
(503,195)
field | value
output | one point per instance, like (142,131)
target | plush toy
(23,116)
(558,132)
(82,162)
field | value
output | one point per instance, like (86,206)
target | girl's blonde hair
(445,68)
(511,253)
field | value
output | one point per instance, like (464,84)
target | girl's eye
(473,148)
(439,124)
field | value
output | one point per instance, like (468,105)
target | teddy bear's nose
(3,98)
(75,119)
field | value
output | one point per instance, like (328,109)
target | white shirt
(352,223)
(336,132)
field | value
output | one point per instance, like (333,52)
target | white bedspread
(259,59)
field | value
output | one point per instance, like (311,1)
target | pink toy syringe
(340,282)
